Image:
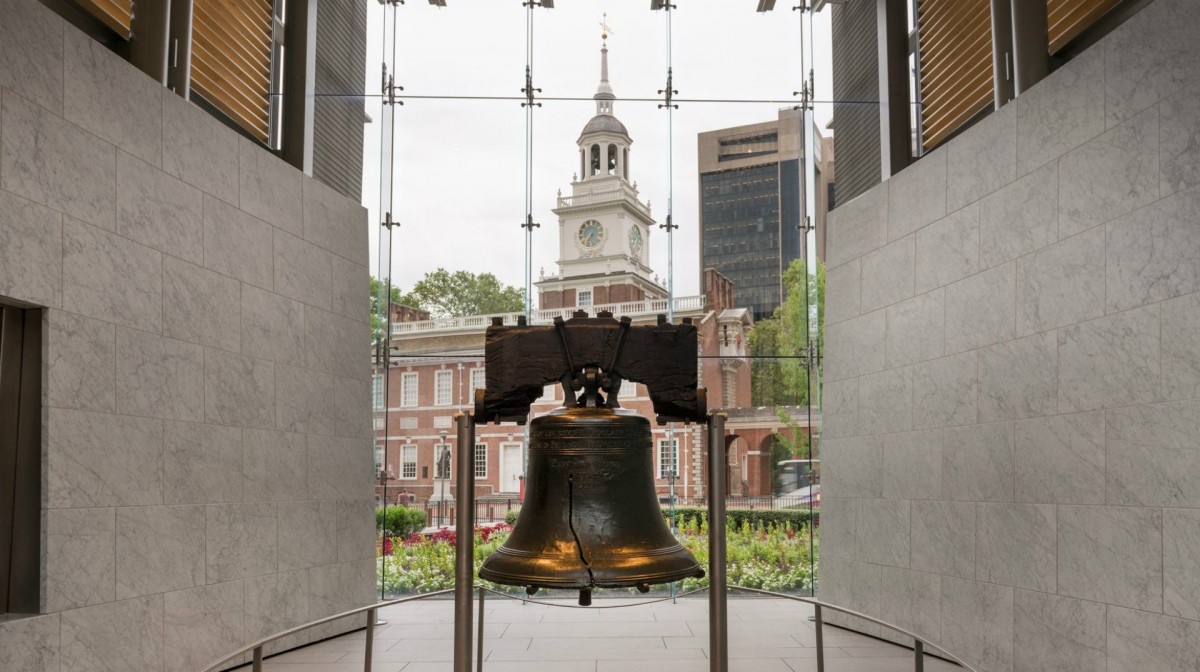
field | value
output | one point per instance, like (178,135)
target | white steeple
(604,94)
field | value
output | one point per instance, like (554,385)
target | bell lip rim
(639,553)
(566,584)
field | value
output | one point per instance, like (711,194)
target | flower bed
(769,556)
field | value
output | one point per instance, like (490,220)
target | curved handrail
(257,647)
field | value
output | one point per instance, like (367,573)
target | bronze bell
(591,518)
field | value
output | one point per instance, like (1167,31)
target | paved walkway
(765,635)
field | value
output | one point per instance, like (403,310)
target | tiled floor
(765,635)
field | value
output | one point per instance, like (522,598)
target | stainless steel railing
(256,648)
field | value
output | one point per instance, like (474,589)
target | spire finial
(604,93)
(604,29)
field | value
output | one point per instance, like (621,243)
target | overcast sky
(460,164)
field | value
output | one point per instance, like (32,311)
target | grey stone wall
(207,433)
(1012,456)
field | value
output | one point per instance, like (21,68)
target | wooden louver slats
(116,14)
(956,64)
(231,60)
(1066,19)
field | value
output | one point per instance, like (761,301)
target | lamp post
(443,471)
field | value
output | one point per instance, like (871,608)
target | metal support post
(370,640)
(464,547)
(258,659)
(718,622)
(820,638)
(479,655)
(918,656)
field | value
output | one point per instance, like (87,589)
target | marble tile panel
(55,163)
(202,624)
(1060,459)
(1139,641)
(30,644)
(1181,563)
(1150,456)
(237,244)
(856,346)
(303,401)
(1064,111)
(839,527)
(355,530)
(912,600)
(885,401)
(31,52)
(983,159)
(80,558)
(200,306)
(337,588)
(1179,140)
(912,465)
(945,391)
(1019,379)
(882,530)
(98,459)
(1128,345)
(1111,175)
(1020,218)
(1061,284)
(202,464)
(1016,545)
(948,249)
(198,148)
(308,534)
(334,222)
(241,541)
(977,463)
(338,468)
(275,602)
(105,94)
(272,326)
(1057,634)
(1149,57)
(158,210)
(977,623)
(916,329)
(843,292)
(31,267)
(110,278)
(352,406)
(332,344)
(303,271)
(917,195)
(857,227)
(80,362)
(1150,254)
(981,310)
(943,537)
(274,466)
(1181,348)
(1112,555)
(887,274)
(270,188)
(159,377)
(350,285)
(156,549)
(125,635)
(856,465)
(238,390)
(840,408)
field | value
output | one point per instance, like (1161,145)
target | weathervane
(605,31)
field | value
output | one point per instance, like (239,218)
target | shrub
(510,518)
(797,518)
(401,521)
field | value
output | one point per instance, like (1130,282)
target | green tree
(379,294)
(447,294)
(777,371)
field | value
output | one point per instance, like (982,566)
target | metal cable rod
(773,101)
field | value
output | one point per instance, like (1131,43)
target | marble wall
(1012,454)
(207,440)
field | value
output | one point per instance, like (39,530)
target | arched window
(595,159)
(625,162)
(582,164)
(612,160)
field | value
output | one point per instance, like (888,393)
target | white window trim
(480,448)
(478,381)
(658,458)
(378,390)
(579,298)
(404,452)
(406,386)
(438,378)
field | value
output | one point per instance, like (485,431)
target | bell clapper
(531,590)
(585,597)
(643,587)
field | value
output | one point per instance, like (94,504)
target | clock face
(591,234)
(635,241)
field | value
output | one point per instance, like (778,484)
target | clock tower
(603,227)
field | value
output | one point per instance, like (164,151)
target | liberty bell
(591,517)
